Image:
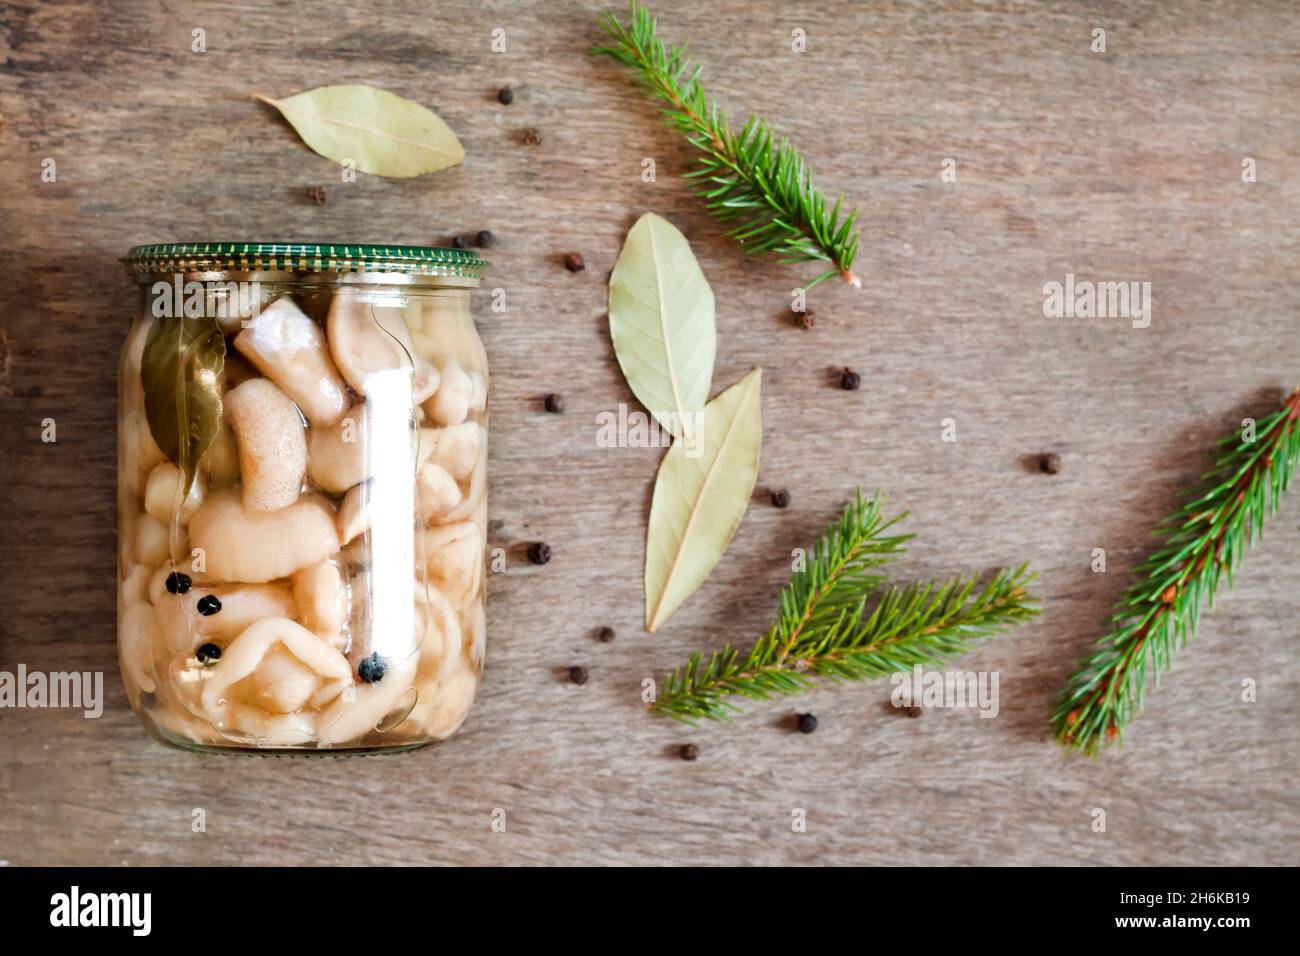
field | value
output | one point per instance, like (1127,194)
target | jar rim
(302,257)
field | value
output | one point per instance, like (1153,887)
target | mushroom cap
(367,337)
(260,546)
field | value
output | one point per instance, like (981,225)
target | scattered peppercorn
(485,238)
(850,380)
(605,635)
(781,499)
(807,723)
(208,605)
(689,752)
(1050,463)
(573,262)
(912,711)
(208,654)
(554,403)
(532,137)
(578,674)
(505,96)
(178,582)
(460,242)
(317,195)
(539,552)
(807,318)
(372,668)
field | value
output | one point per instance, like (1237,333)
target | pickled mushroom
(137,636)
(338,455)
(320,598)
(162,494)
(151,545)
(450,403)
(291,668)
(290,349)
(455,447)
(366,337)
(437,489)
(242,605)
(360,710)
(454,560)
(259,546)
(354,513)
(272,444)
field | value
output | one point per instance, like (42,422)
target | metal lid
(173,257)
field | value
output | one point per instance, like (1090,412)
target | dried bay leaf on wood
(661,320)
(381,132)
(180,371)
(699,501)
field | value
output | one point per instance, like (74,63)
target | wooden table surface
(1123,165)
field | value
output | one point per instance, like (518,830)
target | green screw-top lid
(172,257)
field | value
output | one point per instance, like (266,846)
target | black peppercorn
(781,499)
(178,582)
(578,674)
(554,403)
(912,711)
(208,654)
(573,262)
(605,634)
(1050,463)
(460,242)
(850,380)
(485,238)
(807,723)
(539,552)
(505,96)
(208,605)
(532,137)
(807,319)
(371,669)
(689,752)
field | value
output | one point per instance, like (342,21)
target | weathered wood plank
(1117,166)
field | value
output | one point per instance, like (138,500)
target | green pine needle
(751,177)
(1203,544)
(826,631)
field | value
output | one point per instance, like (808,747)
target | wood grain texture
(1122,166)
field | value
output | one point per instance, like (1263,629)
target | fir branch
(1203,544)
(748,176)
(825,630)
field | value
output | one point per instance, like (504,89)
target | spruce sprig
(1203,543)
(825,629)
(750,175)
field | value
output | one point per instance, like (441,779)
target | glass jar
(302,495)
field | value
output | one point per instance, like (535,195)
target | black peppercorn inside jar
(302,495)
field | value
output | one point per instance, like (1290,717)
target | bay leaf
(700,496)
(180,370)
(661,320)
(381,132)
